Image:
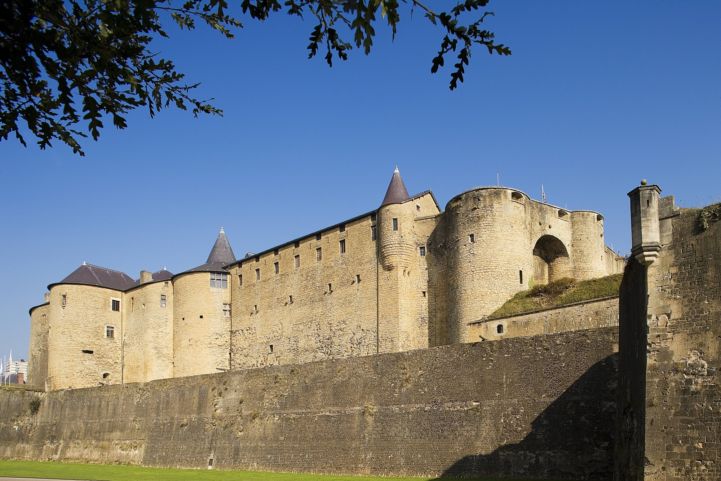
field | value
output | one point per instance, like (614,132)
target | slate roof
(90,275)
(397,192)
(162,275)
(220,256)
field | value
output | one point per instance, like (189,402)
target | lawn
(37,469)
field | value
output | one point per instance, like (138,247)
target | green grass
(559,293)
(116,472)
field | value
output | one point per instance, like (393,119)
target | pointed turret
(221,253)
(220,256)
(397,192)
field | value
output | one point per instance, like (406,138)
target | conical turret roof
(220,256)
(397,192)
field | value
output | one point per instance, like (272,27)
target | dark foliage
(69,63)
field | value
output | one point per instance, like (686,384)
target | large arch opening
(550,260)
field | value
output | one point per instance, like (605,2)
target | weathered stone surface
(540,407)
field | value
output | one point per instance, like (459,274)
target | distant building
(14,372)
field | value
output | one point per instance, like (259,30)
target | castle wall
(527,407)
(201,328)
(148,336)
(38,359)
(588,248)
(79,353)
(331,314)
(683,373)
(595,314)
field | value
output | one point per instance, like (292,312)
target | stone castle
(404,276)
(625,388)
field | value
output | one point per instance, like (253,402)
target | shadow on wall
(571,439)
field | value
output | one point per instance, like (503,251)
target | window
(115,304)
(422,251)
(342,246)
(374,234)
(424,293)
(257,274)
(226,310)
(317,236)
(106,375)
(163,300)
(341,228)
(395,223)
(219,280)
(257,258)
(64,300)
(240,279)
(270,348)
(520,276)
(330,288)
(297,244)
(87,351)
(276,266)
(357,278)
(110,332)
(275,252)
(471,238)
(290,299)
(297,261)
(318,254)
(499,328)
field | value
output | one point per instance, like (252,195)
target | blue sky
(596,96)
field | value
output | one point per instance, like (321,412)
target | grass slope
(559,293)
(115,472)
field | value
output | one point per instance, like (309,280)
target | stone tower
(201,312)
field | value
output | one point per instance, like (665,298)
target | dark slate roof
(397,192)
(162,275)
(220,256)
(88,274)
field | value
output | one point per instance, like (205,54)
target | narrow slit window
(290,299)
(471,238)
(520,276)
(330,288)
(240,279)
(395,223)
(297,261)
(374,232)
(318,254)
(163,300)
(342,246)
(422,251)
(64,300)
(257,274)
(357,278)
(276,266)
(270,348)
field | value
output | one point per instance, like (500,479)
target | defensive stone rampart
(538,407)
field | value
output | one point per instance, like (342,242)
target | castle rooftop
(396,192)
(221,255)
(91,275)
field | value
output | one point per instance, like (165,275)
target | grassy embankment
(559,293)
(54,470)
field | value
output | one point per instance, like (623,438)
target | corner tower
(201,312)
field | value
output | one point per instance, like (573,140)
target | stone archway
(550,260)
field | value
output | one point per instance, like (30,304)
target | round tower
(488,253)
(395,226)
(588,245)
(201,314)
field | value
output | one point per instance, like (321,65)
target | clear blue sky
(596,96)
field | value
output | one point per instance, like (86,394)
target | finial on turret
(85,263)
(396,171)
(644,182)
(222,231)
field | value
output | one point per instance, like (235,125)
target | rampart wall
(538,407)
(574,317)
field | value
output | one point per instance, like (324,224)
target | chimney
(645,232)
(145,276)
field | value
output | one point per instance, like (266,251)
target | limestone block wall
(148,333)
(589,250)
(38,358)
(321,303)
(595,314)
(79,352)
(201,326)
(527,408)
(683,373)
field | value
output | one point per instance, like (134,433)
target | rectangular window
(219,280)
(115,304)
(395,223)
(240,279)
(373,232)
(226,310)
(318,254)
(422,251)
(342,246)
(520,276)
(257,274)
(110,332)
(471,238)
(317,236)
(357,278)
(297,244)
(163,300)
(276,266)
(297,261)
(64,300)
(341,228)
